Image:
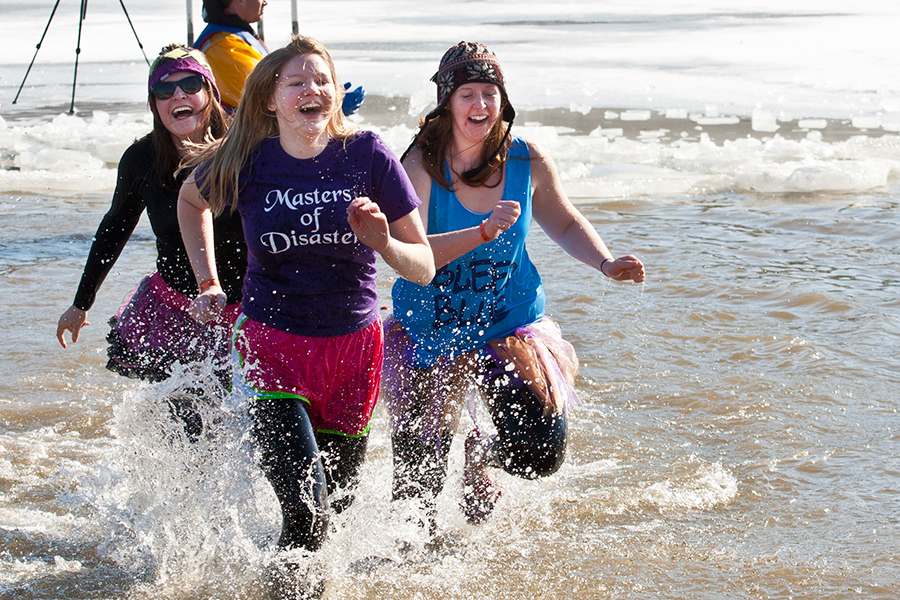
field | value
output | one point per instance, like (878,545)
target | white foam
(711,485)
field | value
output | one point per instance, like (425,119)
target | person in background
(233,49)
(152,331)
(318,201)
(480,327)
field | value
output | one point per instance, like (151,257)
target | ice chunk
(762,120)
(57,159)
(636,115)
(866,122)
(812,123)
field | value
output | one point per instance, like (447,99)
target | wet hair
(435,136)
(254,122)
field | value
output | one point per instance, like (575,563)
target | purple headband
(181,58)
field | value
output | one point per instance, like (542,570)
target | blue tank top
(486,293)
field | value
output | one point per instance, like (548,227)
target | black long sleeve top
(135,192)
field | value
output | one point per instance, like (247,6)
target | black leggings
(183,404)
(304,468)
(183,410)
(528,444)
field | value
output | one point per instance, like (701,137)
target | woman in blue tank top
(479,327)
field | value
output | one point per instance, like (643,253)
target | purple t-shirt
(307,272)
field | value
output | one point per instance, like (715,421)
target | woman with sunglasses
(479,328)
(152,332)
(319,202)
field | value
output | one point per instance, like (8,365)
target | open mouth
(312,108)
(182,112)
(479,120)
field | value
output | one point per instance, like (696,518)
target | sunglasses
(164,90)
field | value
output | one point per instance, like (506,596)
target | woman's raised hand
(504,216)
(368,223)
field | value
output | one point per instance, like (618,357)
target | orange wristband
(208,284)
(483,231)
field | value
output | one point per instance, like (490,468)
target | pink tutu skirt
(153,330)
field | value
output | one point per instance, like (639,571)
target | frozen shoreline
(633,100)
(661,124)
(601,154)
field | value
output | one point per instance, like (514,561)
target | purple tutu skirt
(153,330)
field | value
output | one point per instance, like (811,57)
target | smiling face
(474,108)
(184,115)
(304,98)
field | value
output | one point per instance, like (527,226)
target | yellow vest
(231,60)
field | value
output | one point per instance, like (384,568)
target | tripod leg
(83,14)
(141,46)
(36,51)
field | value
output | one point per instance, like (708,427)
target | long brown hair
(435,136)
(254,122)
(166,159)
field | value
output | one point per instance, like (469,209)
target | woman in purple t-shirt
(317,201)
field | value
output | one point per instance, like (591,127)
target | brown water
(736,438)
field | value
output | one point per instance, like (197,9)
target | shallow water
(735,438)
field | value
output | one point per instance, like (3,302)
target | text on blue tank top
(486,293)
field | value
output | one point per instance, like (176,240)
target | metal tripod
(82,14)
